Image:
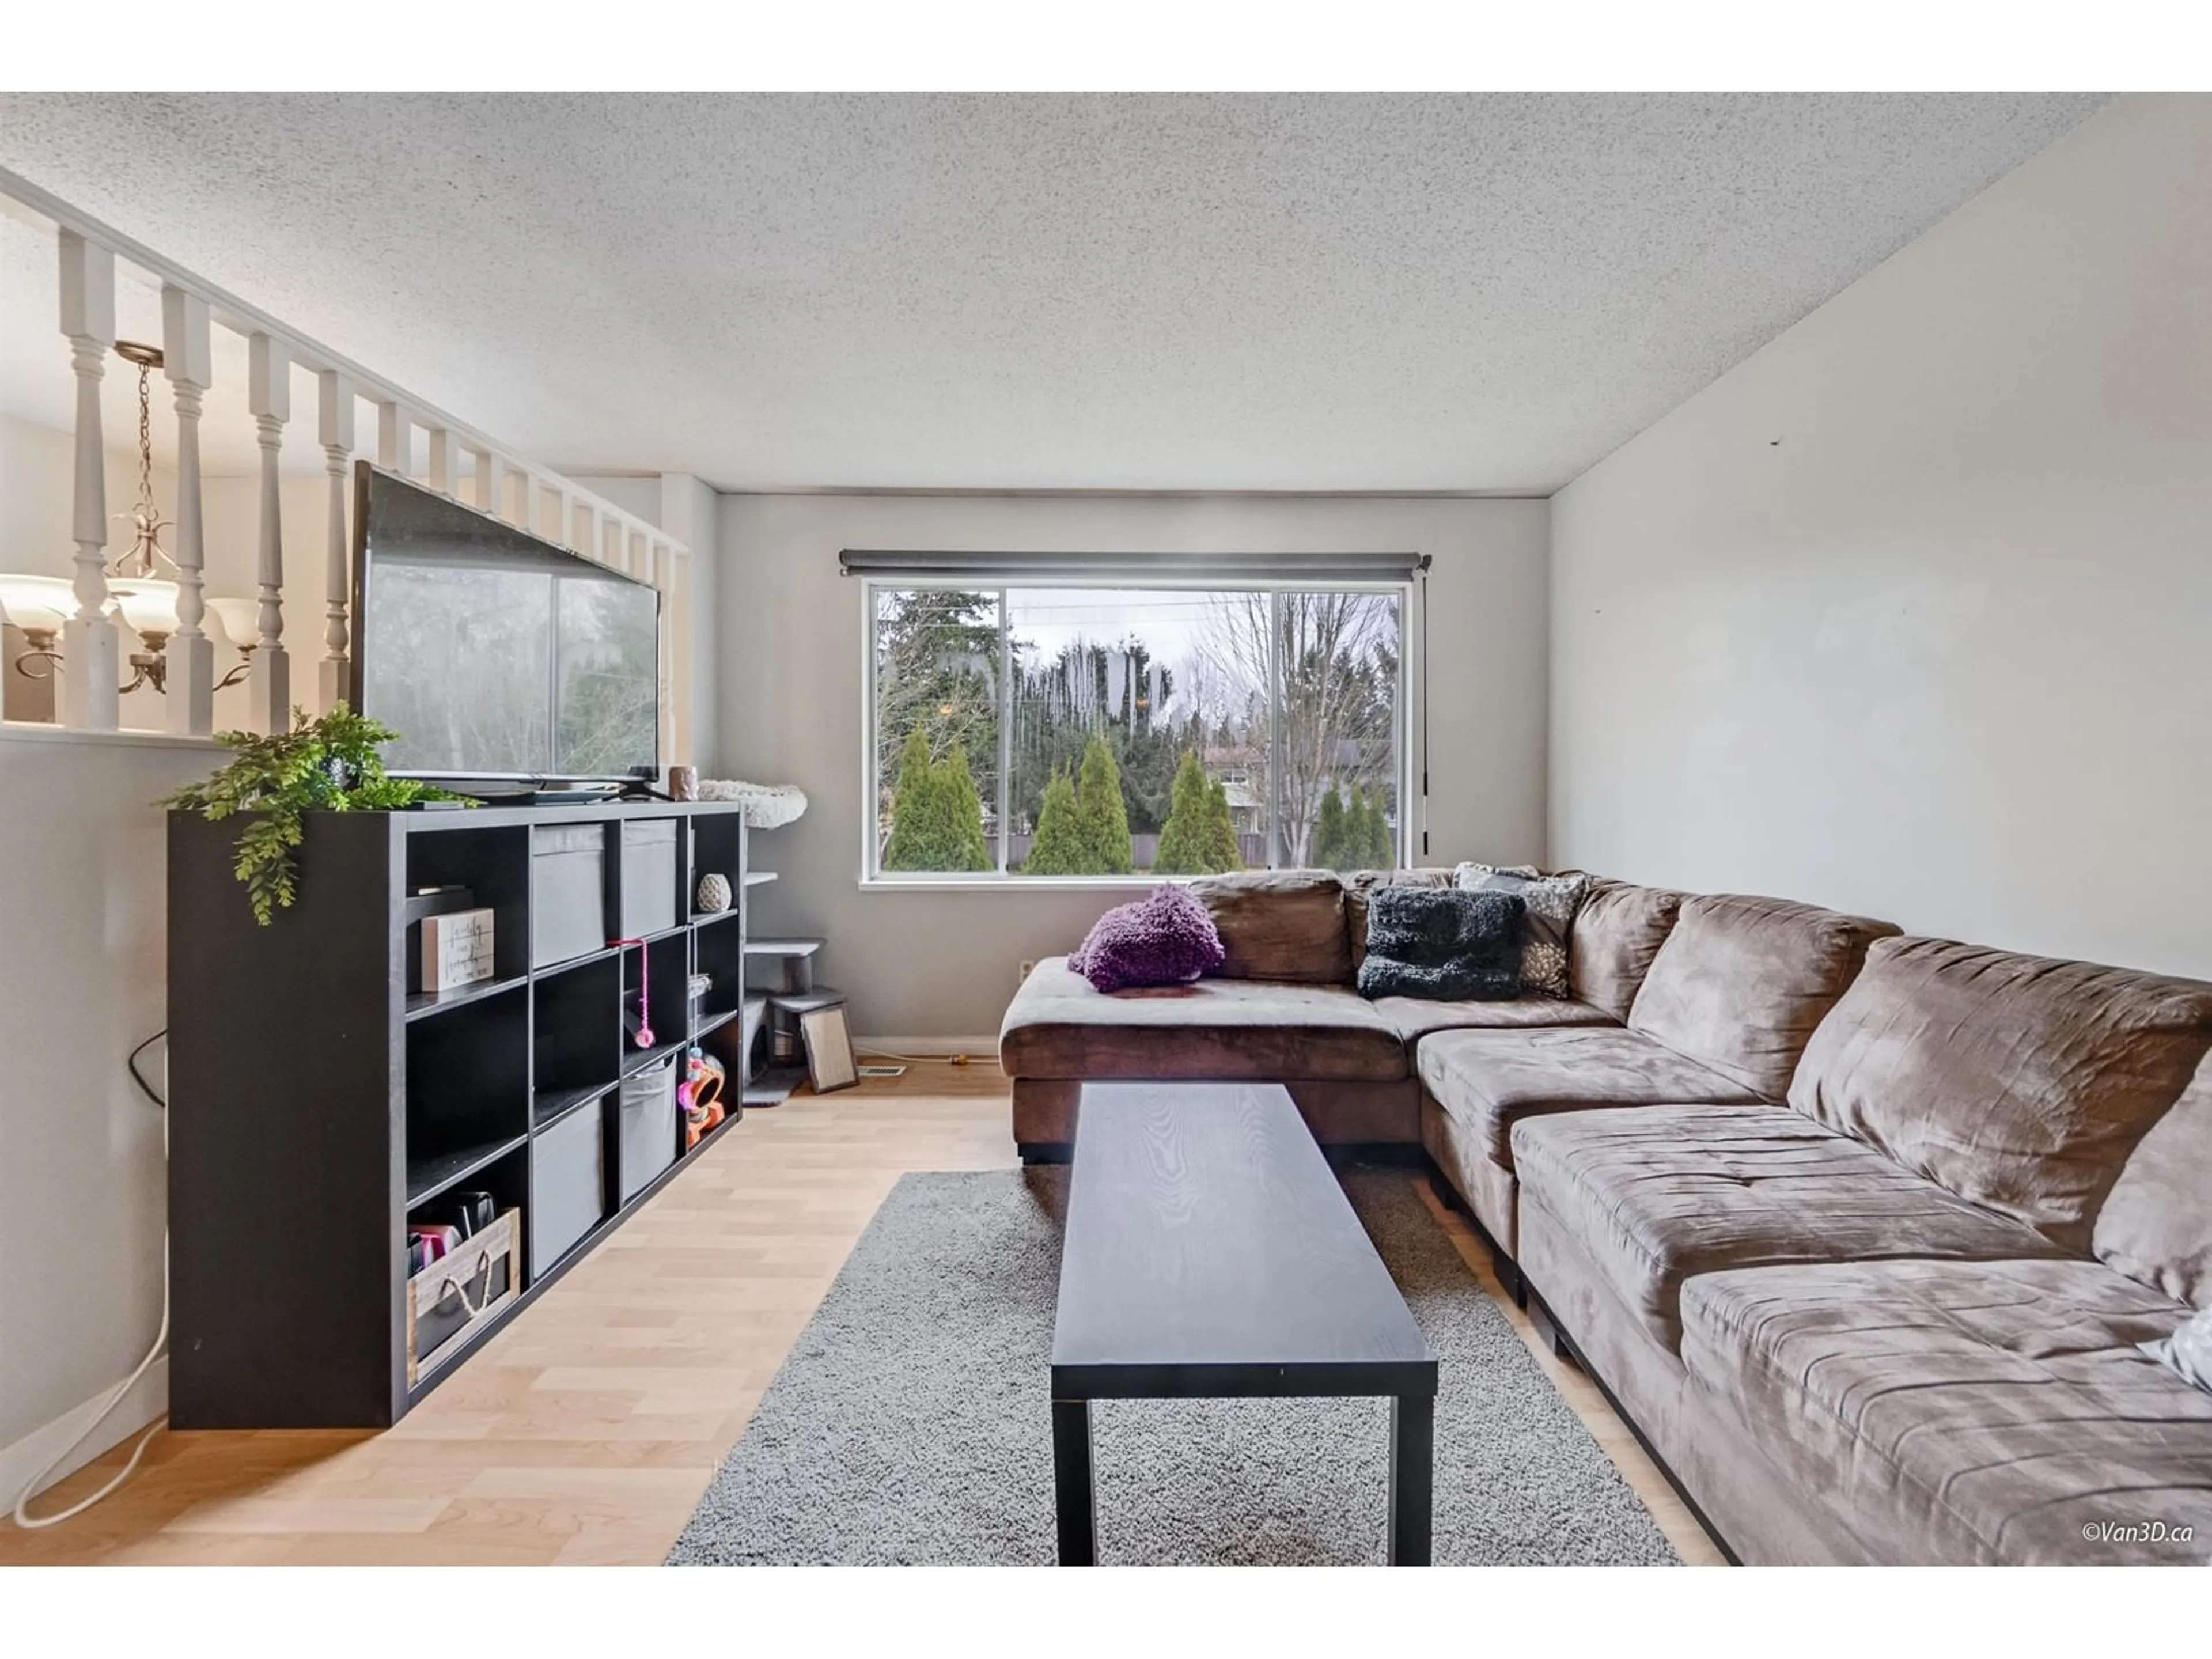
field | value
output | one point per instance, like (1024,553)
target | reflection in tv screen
(493,653)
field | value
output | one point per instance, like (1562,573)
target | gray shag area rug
(909,1423)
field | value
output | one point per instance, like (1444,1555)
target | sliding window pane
(1130,749)
(1338,656)
(1140,730)
(936,729)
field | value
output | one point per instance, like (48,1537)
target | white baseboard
(147,1401)
(977,1049)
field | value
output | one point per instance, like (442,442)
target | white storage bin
(649,1125)
(568,891)
(648,876)
(568,1184)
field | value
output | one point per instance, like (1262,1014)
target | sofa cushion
(1960,1413)
(2019,1082)
(2188,1352)
(1414,1017)
(1360,885)
(1740,982)
(1657,1194)
(2156,1225)
(1490,1080)
(1617,933)
(1229,1030)
(1285,924)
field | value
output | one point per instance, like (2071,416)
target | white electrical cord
(24,1518)
(912,1059)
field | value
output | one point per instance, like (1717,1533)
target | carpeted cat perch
(766,805)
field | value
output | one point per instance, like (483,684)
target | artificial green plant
(326,765)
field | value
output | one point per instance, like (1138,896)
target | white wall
(944,965)
(82,912)
(691,511)
(685,508)
(1911,613)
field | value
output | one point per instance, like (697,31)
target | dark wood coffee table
(1211,1254)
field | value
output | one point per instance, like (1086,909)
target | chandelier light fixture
(145,555)
(144,599)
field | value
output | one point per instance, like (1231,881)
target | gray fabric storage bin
(648,876)
(647,1137)
(568,891)
(568,1184)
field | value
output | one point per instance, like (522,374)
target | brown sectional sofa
(1860,1231)
(1282,1010)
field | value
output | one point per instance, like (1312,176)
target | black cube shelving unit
(316,1105)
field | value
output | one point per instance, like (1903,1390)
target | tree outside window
(1139,731)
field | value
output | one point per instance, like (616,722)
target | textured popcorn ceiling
(1461,293)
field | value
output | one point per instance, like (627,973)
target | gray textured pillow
(2188,1352)
(1360,885)
(1443,944)
(1552,902)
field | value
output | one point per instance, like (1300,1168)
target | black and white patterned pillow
(1552,902)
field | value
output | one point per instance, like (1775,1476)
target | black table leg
(1071,1480)
(1413,1472)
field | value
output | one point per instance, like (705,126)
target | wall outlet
(1024,978)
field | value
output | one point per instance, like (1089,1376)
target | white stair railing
(188,359)
(334,426)
(269,395)
(90,696)
(90,255)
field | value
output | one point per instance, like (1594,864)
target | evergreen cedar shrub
(1199,839)
(1352,836)
(1102,812)
(1083,827)
(937,814)
(1056,849)
(1376,852)
(1226,850)
(962,805)
(1329,846)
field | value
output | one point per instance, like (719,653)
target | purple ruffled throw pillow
(1166,938)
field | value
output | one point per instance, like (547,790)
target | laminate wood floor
(586,1431)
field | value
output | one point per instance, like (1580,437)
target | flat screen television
(494,653)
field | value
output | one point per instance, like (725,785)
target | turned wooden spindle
(90,657)
(336,430)
(188,359)
(269,398)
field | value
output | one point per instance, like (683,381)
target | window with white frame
(1099,729)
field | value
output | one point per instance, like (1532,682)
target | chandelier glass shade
(148,608)
(238,621)
(37,604)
